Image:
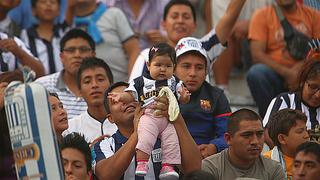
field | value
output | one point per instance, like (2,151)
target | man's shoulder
(269,165)
(212,91)
(48,79)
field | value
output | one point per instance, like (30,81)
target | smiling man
(245,137)
(75,45)
(94,77)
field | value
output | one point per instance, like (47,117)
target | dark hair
(199,175)
(161,49)
(309,70)
(282,121)
(78,142)
(178,2)
(113,86)
(74,34)
(90,63)
(238,116)
(309,147)
(34,2)
(54,95)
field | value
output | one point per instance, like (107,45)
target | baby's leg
(170,146)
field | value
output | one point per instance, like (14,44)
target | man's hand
(114,97)
(161,107)
(207,150)
(3,86)
(184,95)
(291,75)
(9,45)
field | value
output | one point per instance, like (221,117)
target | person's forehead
(93,71)
(72,154)
(192,58)
(306,157)
(250,126)
(77,42)
(53,100)
(180,8)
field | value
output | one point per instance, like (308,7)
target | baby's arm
(184,95)
(125,97)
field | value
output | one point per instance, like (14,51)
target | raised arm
(225,25)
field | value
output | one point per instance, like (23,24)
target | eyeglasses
(82,49)
(313,88)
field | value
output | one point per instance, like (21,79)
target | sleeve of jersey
(273,106)
(220,122)
(212,45)
(101,150)
(132,88)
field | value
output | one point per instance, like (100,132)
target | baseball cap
(188,44)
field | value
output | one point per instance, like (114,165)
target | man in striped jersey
(74,46)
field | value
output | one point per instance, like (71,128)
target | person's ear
(228,138)
(282,139)
(163,25)
(148,65)
(109,117)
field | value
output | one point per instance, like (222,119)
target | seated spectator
(144,17)
(287,129)
(93,79)
(208,110)
(14,54)
(243,159)
(307,161)
(7,25)
(74,46)
(179,21)
(59,115)
(305,98)
(114,158)
(275,70)
(23,16)
(76,157)
(111,31)
(44,37)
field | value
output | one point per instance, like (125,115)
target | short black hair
(282,121)
(309,147)
(161,49)
(178,2)
(238,116)
(34,2)
(113,86)
(74,34)
(54,95)
(90,63)
(78,142)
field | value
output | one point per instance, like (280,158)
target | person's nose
(301,171)
(255,139)
(68,168)
(94,83)
(192,72)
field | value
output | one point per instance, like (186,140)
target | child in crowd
(287,129)
(162,59)
(44,37)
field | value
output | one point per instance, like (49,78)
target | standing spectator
(44,37)
(144,17)
(23,16)
(111,31)
(93,79)
(75,45)
(305,98)
(243,158)
(287,129)
(76,157)
(179,21)
(7,25)
(275,70)
(14,54)
(307,162)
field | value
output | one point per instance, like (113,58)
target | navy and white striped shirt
(47,51)
(146,89)
(313,3)
(292,101)
(72,104)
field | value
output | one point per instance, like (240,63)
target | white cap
(190,44)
